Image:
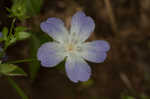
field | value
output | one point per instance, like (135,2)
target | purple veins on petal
(82,25)
(50,54)
(77,69)
(55,28)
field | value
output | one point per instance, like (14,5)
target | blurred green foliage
(88,83)
(21,34)
(9,38)
(18,9)
(33,7)
(11,70)
(23,9)
(4,33)
(143,96)
(127,97)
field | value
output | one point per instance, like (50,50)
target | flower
(72,46)
(4,56)
(1,34)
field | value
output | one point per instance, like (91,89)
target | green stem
(10,34)
(17,88)
(12,26)
(22,61)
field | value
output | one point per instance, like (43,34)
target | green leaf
(7,68)
(23,9)
(5,33)
(18,9)
(20,29)
(22,35)
(1,39)
(12,39)
(11,70)
(33,6)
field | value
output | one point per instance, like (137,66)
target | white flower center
(73,48)
(70,47)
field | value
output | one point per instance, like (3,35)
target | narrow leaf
(11,70)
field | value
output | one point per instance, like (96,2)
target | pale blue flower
(1,34)
(72,46)
(4,57)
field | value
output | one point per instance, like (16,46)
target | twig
(111,16)
(128,84)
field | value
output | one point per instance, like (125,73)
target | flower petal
(82,25)
(50,54)
(55,28)
(1,34)
(100,45)
(95,51)
(77,69)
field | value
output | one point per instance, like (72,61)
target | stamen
(70,47)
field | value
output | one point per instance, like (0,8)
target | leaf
(1,39)
(18,9)
(12,39)
(5,33)
(11,70)
(20,29)
(23,9)
(7,68)
(33,6)
(22,35)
